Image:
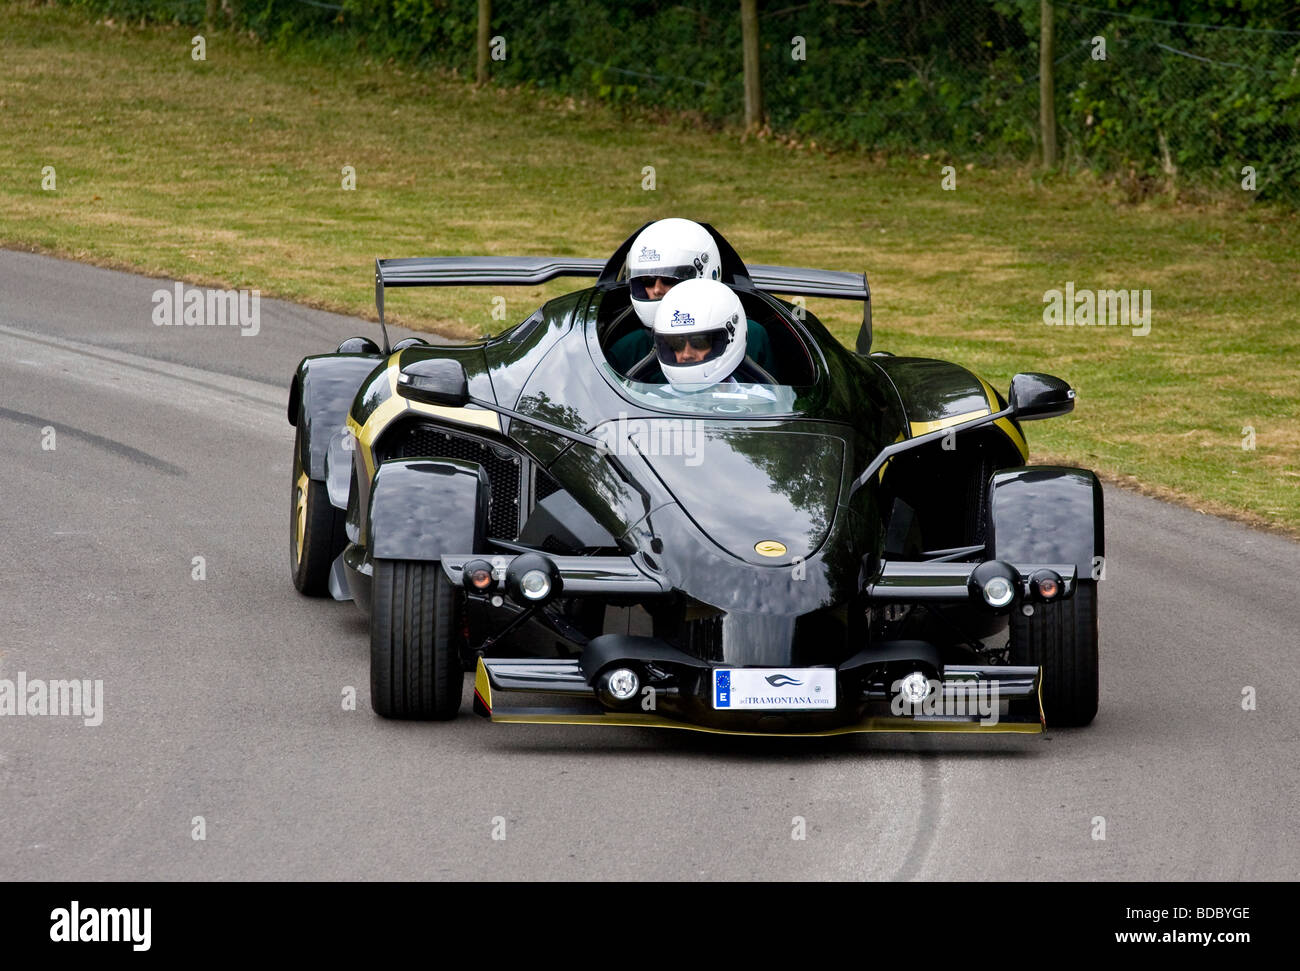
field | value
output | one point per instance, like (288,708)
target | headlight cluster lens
(998,592)
(623,684)
(915,687)
(535,585)
(533,578)
(995,582)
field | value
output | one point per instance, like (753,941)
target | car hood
(773,487)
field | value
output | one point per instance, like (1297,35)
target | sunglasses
(644,283)
(698,342)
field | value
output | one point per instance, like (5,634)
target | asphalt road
(222,697)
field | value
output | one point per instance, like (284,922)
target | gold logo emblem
(769,547)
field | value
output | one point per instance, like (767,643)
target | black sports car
(855,546)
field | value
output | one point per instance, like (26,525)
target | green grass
(227,172)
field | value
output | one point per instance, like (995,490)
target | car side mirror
(435,381)
(1035,395)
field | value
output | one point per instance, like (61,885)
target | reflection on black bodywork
(513,356)
(598,488)
(326,386)
(1048,514)
(743,486)
(933,389)
(762,604)
(372,394)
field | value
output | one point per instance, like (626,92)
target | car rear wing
(523,271)
(836,284)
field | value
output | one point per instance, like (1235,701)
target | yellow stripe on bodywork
(482,684)
(1009,429)
(396,405)
(880,476)
(923,427)
(465,416)
(1017,439)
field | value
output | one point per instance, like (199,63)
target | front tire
(1062,638)
(316,529)
(415,669)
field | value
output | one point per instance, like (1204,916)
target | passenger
(698,337)
(663,255)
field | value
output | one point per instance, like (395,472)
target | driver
(700,335)
(664,254)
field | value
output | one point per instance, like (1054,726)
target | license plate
(787,689)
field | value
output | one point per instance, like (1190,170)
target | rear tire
(1062,638)
(415,669)
(316,533)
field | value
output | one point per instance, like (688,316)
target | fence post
(1047,85)
(484,32)
(749,48)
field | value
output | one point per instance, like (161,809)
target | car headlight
(618,687)
(914,688)
(998,592)
(532,578)
(535,585)
(996,583)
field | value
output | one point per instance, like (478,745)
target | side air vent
(504,468)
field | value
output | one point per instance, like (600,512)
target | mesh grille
(503,467)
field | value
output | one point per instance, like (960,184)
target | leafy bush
(938,76)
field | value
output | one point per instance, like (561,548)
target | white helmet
(674,249)
(702,322)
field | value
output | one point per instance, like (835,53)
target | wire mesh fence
(1156,100)
(1158,97)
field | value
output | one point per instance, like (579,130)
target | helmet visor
(646,278)
(685,350)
